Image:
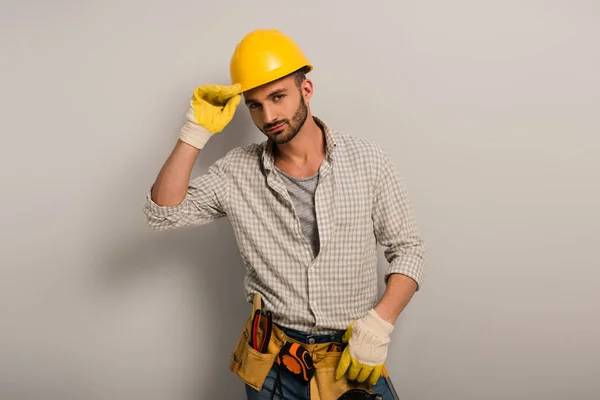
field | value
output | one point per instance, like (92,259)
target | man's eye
(278,97)
(253,106)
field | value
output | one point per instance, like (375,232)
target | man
(308,207)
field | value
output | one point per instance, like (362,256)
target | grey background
(490,109)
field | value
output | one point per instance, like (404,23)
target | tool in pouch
(292,356)
(255,342)
(297,361)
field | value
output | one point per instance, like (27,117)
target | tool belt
(262,344)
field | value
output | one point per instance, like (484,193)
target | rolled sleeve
(204,202)
(395,225)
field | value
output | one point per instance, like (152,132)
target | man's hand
(211,108)
(366,352)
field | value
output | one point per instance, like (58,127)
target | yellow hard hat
(263,56)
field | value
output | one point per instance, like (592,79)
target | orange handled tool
(297,360)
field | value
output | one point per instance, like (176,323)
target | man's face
(278,109)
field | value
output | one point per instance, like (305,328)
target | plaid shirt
(360,202)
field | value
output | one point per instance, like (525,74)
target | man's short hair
(299,77)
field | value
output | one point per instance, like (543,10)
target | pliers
(256,319)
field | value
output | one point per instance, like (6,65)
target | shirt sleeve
(395,225)
(204,202)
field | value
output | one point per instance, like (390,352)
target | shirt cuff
(408,265)
(155,210)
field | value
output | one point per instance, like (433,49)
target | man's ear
(306,89)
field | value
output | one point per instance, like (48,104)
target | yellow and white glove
(211,108)
(364,356)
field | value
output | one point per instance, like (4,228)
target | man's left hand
(364,356)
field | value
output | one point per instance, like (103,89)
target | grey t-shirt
(302,192)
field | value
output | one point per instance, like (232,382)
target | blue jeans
(294,389)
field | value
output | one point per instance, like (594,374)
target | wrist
(384,314)
(194,134)
(377,324)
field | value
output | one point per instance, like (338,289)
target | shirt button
(311,340)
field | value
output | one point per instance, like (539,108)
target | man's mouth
(277,128)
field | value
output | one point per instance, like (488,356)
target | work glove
(211,108)
(364,356)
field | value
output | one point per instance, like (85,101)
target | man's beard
(290,130)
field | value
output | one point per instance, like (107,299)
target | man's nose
(269,115)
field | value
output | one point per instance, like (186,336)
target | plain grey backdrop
(489,108)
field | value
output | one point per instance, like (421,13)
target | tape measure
(297,360)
